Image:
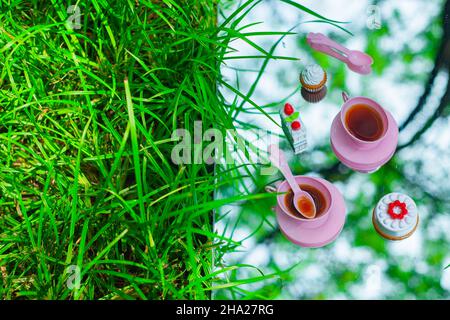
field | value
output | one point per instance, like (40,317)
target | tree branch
(445,101)
(442,58)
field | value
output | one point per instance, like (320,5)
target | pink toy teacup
(364,121)
(283,188)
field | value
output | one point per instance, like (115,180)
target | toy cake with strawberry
(395,217)
(293,128)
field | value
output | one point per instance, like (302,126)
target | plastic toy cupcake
(313,78)
(395,217)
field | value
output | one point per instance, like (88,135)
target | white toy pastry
(293,128)
(395,217)
(313,78)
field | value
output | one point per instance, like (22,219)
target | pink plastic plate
(320,236)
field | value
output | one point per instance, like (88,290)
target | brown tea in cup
(364,122)
(318,198)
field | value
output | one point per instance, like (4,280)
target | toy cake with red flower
(395,217)
(293,128)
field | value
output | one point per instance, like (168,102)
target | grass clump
(85,126)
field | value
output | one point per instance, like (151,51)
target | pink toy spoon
(303,201)
(357,61)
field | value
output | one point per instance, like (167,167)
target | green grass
(86,120)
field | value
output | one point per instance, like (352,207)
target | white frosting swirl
(313,74)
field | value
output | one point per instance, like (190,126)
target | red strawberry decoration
(296,125)
(288,109)
(397,210)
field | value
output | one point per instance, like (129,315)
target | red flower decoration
(401,208)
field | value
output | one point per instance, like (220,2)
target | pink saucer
(366,160)
(320,236)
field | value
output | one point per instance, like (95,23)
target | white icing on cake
(297,138)
(393,227)
(313,75)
